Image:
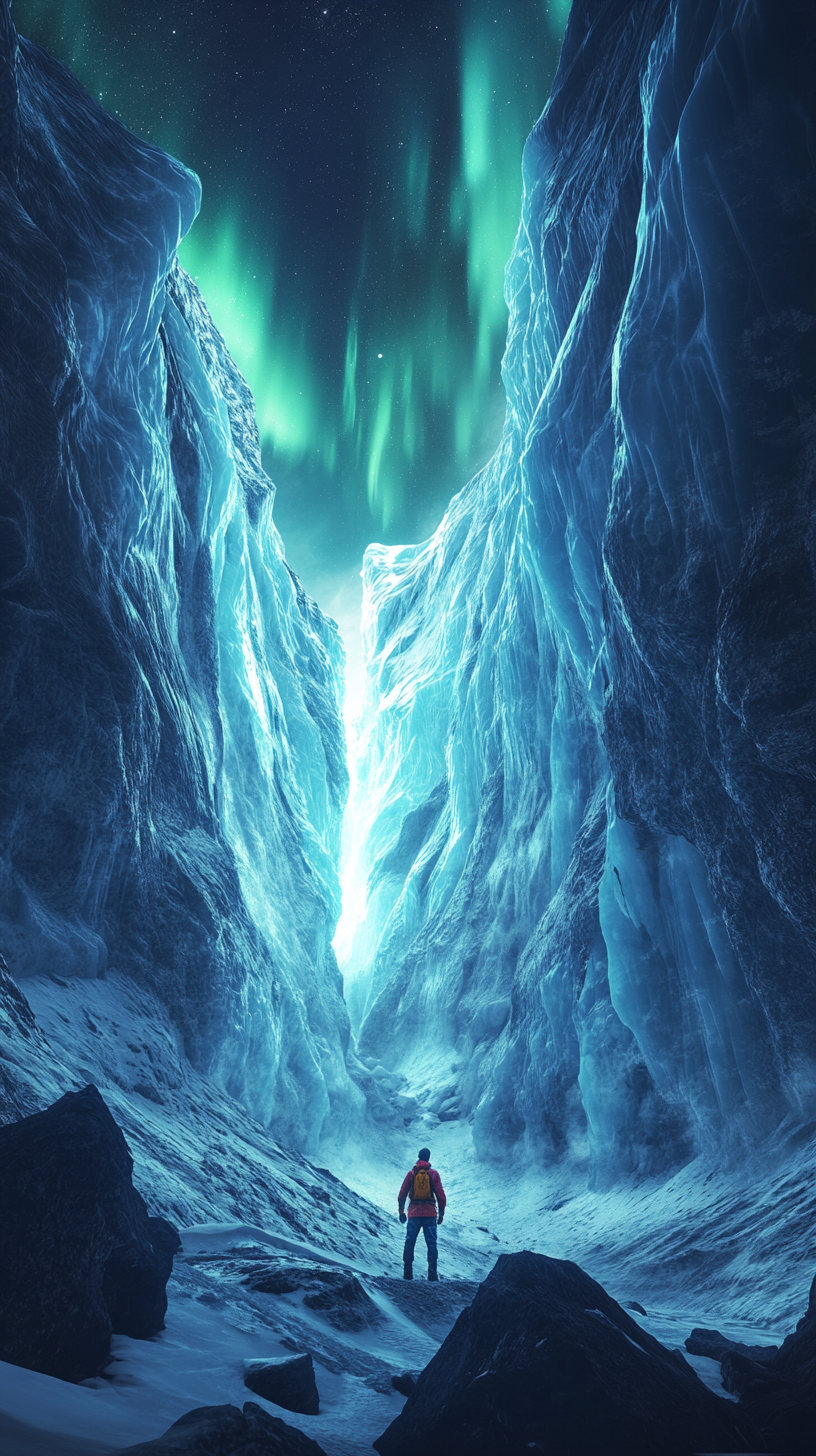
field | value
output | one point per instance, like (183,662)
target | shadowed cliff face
(586,774)
(173,761)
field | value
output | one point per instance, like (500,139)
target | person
(423,1189)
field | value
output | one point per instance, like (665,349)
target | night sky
(361,170)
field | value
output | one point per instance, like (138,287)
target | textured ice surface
(580,906)
(173,758)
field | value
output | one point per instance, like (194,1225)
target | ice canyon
(577,909)
(585,872)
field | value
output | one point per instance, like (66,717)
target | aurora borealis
(361,170)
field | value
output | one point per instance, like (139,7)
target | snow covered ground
(215,1325)
(713,1246)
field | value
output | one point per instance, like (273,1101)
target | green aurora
(356,265)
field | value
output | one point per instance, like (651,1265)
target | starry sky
(361,171)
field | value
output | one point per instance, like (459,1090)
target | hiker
(424,1185)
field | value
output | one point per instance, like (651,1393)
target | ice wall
(583,886)
(173,760)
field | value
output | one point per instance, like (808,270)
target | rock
(287,1383)
(638,1308)
(80,1258)
(405,1383)
(739,1372)
(223,1430)
(716,1346)
(335,1294)
(780,1396)
(277,1281)
(544,1359)
(343,1301)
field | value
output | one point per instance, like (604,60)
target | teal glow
(270,349)
(378,389)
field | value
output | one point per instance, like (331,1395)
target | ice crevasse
(173,759)
(580,904)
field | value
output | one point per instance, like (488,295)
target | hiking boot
(407,1270)
(432,1274)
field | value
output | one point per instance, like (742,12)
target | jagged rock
(780,1396)
(544,1359)
(405,1383)
(80,1258)
(638,1308)
(343,1301)
(287,1383)
(277,1281)
(716,1346)
(739,1373)
(335,1294)
(224,1430)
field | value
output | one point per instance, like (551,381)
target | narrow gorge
(575,907)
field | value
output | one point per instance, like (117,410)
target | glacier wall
(582,891)
(173,759)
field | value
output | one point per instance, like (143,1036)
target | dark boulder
(334,1294)
(543,1359)
(405,1383)
(780,1396)
(716,1346)
(224,1430)
(342,1300)
(80,1257)
(277,1281)
(287,1383)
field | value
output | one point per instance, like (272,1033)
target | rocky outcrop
(80,1257)
(287,1383)
(224,1430)
(337,1296)
(545,1360)
(780,1394)
(716,1346)
(404,1384)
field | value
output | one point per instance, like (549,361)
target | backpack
(421,1187)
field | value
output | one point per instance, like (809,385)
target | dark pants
(412,1228)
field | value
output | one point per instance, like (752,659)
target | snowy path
(712,1246)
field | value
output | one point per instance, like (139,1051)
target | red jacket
(427,1208)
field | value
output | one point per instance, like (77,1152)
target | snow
(574,887)
(215,1327)
(703,1248)
(201,1356)
(198,1360)
(214,1236)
